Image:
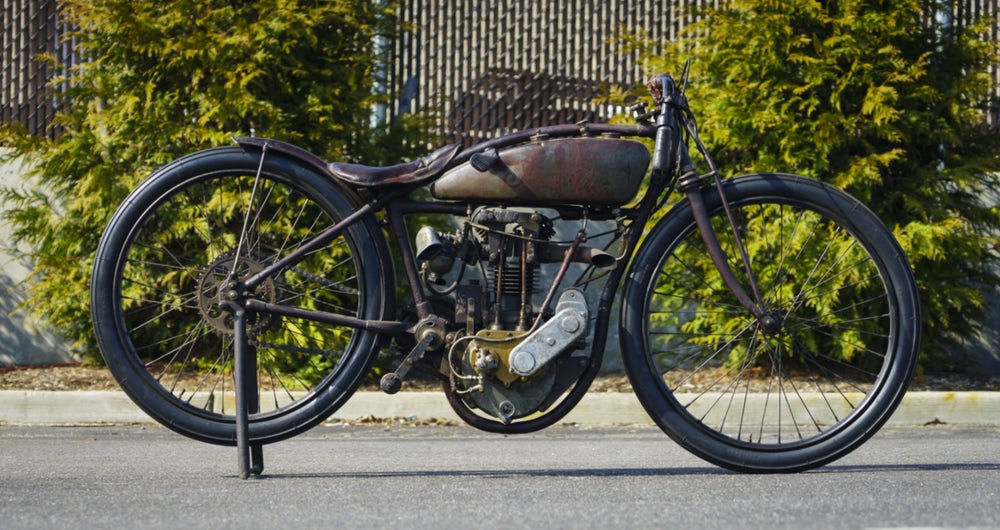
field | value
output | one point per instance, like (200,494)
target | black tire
(158,278)
(763,400)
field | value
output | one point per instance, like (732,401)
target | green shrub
(884,99)
(162,79)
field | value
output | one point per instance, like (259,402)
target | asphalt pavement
(94,460)
(440,478)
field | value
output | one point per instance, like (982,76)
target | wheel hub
(771,323)
(221,283)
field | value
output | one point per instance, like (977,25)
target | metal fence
(486,66)
(29,29)
(497,65)
(492,66)
(966,12)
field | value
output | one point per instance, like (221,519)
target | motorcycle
(767,322)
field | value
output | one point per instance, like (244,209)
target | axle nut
(522,362)
(570,324)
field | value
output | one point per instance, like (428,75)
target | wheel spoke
(181,259)
(775,387)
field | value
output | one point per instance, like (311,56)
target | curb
(608,408)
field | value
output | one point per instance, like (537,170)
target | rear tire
(754,399)
(159,276)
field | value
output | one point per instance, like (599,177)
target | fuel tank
(600,170)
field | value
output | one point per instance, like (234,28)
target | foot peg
(391,382)
(429,338)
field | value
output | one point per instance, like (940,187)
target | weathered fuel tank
(605,171)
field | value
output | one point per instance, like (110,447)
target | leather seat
(414,171)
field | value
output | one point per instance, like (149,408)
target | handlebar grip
(659,85)
(662,88)
(662,149)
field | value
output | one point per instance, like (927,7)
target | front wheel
(831,364)
(173,251)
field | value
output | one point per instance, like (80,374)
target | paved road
(455,477)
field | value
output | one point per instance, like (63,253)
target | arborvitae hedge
(162,79)
(886,99)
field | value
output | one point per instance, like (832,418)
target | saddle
(415,171)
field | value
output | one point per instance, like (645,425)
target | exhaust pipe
(583,254)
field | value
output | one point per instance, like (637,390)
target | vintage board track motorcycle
(768,322)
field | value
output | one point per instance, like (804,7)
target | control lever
(431,336)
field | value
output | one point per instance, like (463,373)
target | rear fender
(317,164)
(293,151)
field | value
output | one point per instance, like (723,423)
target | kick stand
(251,456)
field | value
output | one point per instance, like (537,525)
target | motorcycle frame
(672,168)
(397,204)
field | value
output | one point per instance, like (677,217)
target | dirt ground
(81,377)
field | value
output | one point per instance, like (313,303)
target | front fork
(670,156)
(689,183)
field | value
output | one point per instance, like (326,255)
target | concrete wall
(984,349)
(23,339)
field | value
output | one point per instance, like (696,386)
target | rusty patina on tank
(606,171)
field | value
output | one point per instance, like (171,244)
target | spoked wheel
(805,385)
(176,252)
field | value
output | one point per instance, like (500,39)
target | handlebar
(668,129)
(672,117)
(659,85)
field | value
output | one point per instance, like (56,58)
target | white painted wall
(23,339)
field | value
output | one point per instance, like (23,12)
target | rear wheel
(815,381)
(161,276)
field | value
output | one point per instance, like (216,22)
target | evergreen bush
(162,79)
(887,99)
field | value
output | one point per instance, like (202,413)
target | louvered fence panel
(987,10)
(29,28)
(493,66)
(488,66)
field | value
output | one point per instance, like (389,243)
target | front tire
(754,398)
(159,282)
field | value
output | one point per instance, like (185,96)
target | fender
(301,155)
(285,148)
(312,161)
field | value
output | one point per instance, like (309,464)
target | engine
(511,354)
